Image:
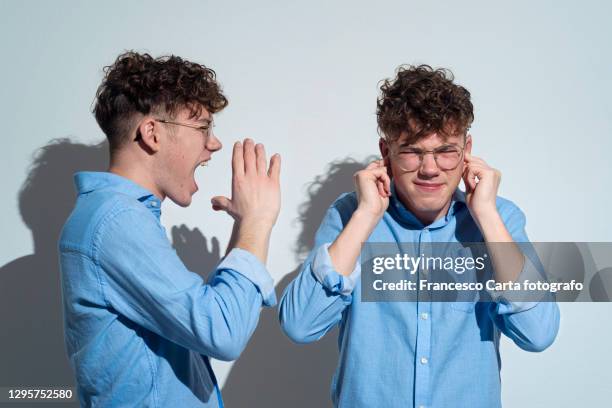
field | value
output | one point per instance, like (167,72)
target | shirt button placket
(422,386)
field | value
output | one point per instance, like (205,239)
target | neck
(135,169)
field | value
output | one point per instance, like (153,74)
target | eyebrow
(205,121)
(406,144)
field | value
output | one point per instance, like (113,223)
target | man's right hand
(255,201)
(373,187)
(373,191)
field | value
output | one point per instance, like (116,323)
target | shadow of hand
(192,247)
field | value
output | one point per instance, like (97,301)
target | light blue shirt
(139,327)
(411,354)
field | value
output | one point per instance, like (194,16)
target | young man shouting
(421,353)
(140,328)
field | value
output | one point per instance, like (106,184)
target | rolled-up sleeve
(327,275)
(245,263)
(533,326)
(313,302)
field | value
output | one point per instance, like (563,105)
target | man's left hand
(481,193)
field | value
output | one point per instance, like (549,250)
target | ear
(468,143)
(148,130)
(384,152)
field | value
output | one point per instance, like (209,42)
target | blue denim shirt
(139,327)
(411,354)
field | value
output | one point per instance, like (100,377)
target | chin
(429,204)
(182,200)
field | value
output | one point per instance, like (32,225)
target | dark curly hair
(421,101)
(140,84)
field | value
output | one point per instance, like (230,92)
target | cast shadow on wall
(32,338)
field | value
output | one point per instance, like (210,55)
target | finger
(378,172)
(386,183)
(275,166)
(249,156)
(381,188)
(475,161)
(221,203)
(260,153)
(470,178)
(374,165)
(478,169)
(478,160)
(380,175)
(237,160)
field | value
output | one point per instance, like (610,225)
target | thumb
(221,203)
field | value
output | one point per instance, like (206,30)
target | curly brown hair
(138,84)
(421,101)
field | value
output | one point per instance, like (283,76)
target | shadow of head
(48,194)
(321,192)
(295,375)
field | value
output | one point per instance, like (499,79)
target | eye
(447,149)
(410,151)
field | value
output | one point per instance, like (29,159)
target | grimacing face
(427,191)
(184,150)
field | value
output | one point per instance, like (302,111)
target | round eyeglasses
(447,157)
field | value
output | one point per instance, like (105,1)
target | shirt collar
(407,217)
(88,181)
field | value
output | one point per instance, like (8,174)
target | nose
(429,167)
(213,144)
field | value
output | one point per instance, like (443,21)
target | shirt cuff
(324,272)
(509,301)
(249,266)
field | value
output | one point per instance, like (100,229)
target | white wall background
(302,78)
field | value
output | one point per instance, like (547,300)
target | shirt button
(424,316)
(153,204)
(421,406)
(424,360)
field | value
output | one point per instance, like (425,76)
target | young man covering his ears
(422,353)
